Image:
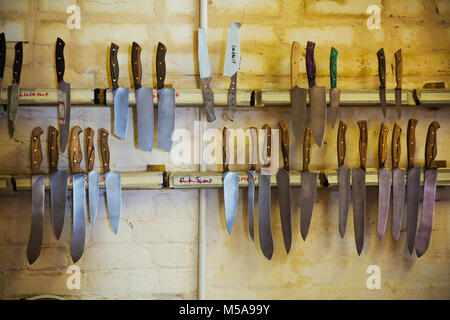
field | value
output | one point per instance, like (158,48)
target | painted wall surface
(154,255)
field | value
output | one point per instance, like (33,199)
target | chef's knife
(298,96)
(13,90)
(384,182)
(398,79)
(231,65)
(398,183)
(205,75)
(429,191)
(251,181)
(230,183)
(2,59)
(343,179)
(334,91)
(37,196)
(63,95)
(120,96)
(93,176)
(382,77)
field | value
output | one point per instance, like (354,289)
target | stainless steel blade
(398,102)
(58,199)
(384,198)
(145,120)
(265,231)
(398,200)
(413,199)
(359,205)
(251,202)
(307,197)
(317,95)
(230,196)
(383,101)
(63,113)
(203,57)
(344,197)
(79,217)
(298,105)
(335,95)
(93,178)
(37,218)
(13,102)
(166,118)
(284,200)
(114,198)
(120,112)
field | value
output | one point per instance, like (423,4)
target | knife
(265,231)
(343,179)
(231,65)
(298,95)
(63,95)
(144,102)
(2,59)
(429,191)
(398,79)
(251,181)
(308,189)
(384,182)
(284,191)
(359,188)
(13,90)
(58,183)
(334,91)
(93,176)
(382,77)
(166,102)
(120,95)
(230,183)
(112,183)
(398,183)
(205,75)
(79,196)
(413,187)
(37,196)
(316,97)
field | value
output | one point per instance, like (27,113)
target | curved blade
(251,202)
(413,195)
(79,217)
(384,198)
(120,112)
(37,218)
(307,197)
(230,196)
(344,197)
(426,221)
(63,113)
(93,194)
(145,121)
(334,105)
(298,105)
(284,199)
(58,195)
(114,198)
(317,95)
(398,200)
(359,205)
(265,231)
(166,118)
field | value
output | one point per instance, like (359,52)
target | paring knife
(334,91)
(298,96)
(230,183)
(398,183)
(120,96)
(251,181)
(343,179)
(398,79)
(231,65)
(93,176)
(2,59)
(205,75)
(63,95)
(382,77)
(384,182)
(13,90)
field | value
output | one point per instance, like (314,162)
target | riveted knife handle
(52,149)
(36,151)
(17,68)
(90,151)
(59,59)
(104,149)
(161,65)
(114,65)
(136,65)
(431,145)
(396,146)
(333,67)
(2,53)
(267,152)
(254,148)
(306,148)
(232,97)
(75,152)
(295,50)
(381,67)
(225,149)
(341,143)
(411,144)
(208,99)
(398,68)
(310,64)
(285,144)
(362,143)
(382,145)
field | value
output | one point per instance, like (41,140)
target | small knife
(398,79)
(251,181)
(334,91)
(398,183)
(93,176)
(205,75)
(230,183)
(120,96)
(384,182)
(343,179)
(13,90)
(63,95)
(298,96)
(382,77)
(2,59)
(231,65)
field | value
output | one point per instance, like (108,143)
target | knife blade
(93,176)
(382,77)
(230,183)
(231,65)
(205,75)
(2,59)
(13,90)
(317,97)
(343,179)
(37,197)
(359,188)
(63,95)
(384,182)
(58,183)
(120,95)
(398,183)
(112,183)
(398,79)
(429,192)
(144,102)
(334,91)
(413,187)
(298,96)
(251,181)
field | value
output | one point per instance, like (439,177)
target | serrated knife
(398,183)
(382,77)
(93,176)
(63,95)
(253,156)
(384,182)
(120,95)
(205,75)
(231,65)
(13,90)
(343,179)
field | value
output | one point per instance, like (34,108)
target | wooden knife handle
(295,50)
(2,53)
(52,149)
(411,144)
(208,99)
(306,148)
(161,65)
(398,68)
(431,145)
(285,144)
(90,151)
(59,59)
(36,151)
(333,67)
(396,145)
(225,149)
(75,152)
(104,149)
(232,97)
(254,148)
(114,65)
(17,68)
(382,145)
(136,65)
(310,64)
(341,143)
(362,143)
(381,67)
(267,145)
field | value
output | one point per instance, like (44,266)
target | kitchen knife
(413,187)
(398,183)
(384,182)
(359,188)
(317,97)
(79,196)
(2,59)
(230,183)
(37,197)
(284,190)
(58,183)
(120,96)
(112,183)
(251,181)
(166,102)
(93,176)
(308,189)
(265,231)
(13,90)
(144,102)
(398,79)
(343,179)
(382,77)
(334,91)
(298,96)
(63,95)
(205,75)
(231,65)
(429,191)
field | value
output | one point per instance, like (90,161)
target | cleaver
(120,96)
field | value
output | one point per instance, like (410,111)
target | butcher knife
(231,65)
(144,102)
(251,181)
(265,231)
(398,79)
(112,183)
(317,97)
(2,59)
(58,183)
(79,196)
(308,189)
(93,176)
(13,90)
(384,182)
(398,183)
(429,191)
(359,188)
(205,75)
(298,96)
(120,96)
(37,197)
(413,187)
(382,77)
(343,179)
(166,102)
(63,95)
(230,183)
(334,91)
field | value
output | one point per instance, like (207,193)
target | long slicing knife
(93,176)
(343,179)
(13,90)
(382,77)
(251,181)
(398,79)
(298,96)
(120,96)
(384,182)
(63,95)
(230,183)
(334,91)
(37,196)
(144,102)
(429,191)
(112,183)
(205,75)
(2,59)
(398,183)
(413,187)
(231,65)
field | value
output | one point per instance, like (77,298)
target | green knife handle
(136,65)
(333,67)
(341,143)
(75,153)
(398,68)
(396,146)
(382,145)
(90,151)
(161,65)
(17,68)
(59,59)
(306,148)
(267,152)
(294,63)
(253,157)
(431,145)
(225,149)
(114,65)
(104,149)
(362,143)
(381,67)
(36,151)
(285,144)
(310,64)
(53,149)
(2,53)
(232,97)
(411,138)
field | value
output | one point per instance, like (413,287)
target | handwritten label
(194,180)
(33,94)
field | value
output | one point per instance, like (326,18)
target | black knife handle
(306,148)
(160,65)
(381,67)
(52,151)
(104,149)
(59,59)
(225,149)
(362,143)
(411,141)
(35,150)
(310,64)
(232,97)
(114,65)
(136,65)
(267,152)
(285,144)
(398,68)
(17,68)
(2,53)
(341,147)
(382,145)
(431,145)
(396,146)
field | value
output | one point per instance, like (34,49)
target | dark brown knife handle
(362,143)
(381,67)
(2,53)
(310,64)
(225,149)
(341,143)
(35,150)
(411,141)
(295,50)
(267,150)
(232,97)
(431,145)
(396,146)
(136,65)
(104,149)
(208,99)
(90,151)
(114,65)
(53,155)
(17,68)
(254,148)
(382,145)
(161,65)
(59,59)
(398,68)
(285,144)
(306,148)
(75,152)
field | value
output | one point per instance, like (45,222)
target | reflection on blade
(251,202)
(344,197)
(307,197)
(63,113)
(37,218)
(93,194)
(120,112)
(145,121)
(114,198)
(58,194)
(318,113)
(230,196)
(79,217)
(384,197)
(359,205)
(413,194)
(426,221)
(398,200)
(265,231)
(284,199)
(166,118)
